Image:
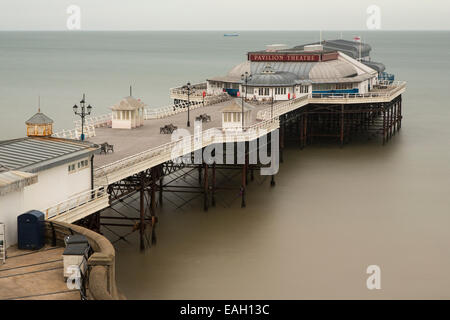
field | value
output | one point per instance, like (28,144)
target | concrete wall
(54,185)
(11,205)
(102,276)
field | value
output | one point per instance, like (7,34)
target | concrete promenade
(34,275)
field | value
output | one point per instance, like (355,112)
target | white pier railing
(89,131)
(282,108)
(170,110)
(79,206)
(96,121)
(388,91)
(128,166)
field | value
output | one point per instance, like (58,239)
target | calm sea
(333,212)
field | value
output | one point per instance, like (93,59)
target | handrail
(201,85)
(208,136)
(74,202)
(396,86)
(166,111)
(89,131)
(96,121)
(281,108)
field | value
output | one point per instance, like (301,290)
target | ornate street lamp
(188,87)
(245,77)
(85,111)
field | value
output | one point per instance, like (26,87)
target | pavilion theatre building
(283,74)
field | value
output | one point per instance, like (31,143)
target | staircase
(2,243)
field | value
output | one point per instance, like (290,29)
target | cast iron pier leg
(213,187)
(205,186)
(142,214)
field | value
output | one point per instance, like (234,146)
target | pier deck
(140,149)
(130,142)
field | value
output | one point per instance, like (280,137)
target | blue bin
(31,230)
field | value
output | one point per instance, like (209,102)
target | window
(280,90)
(344,86)
(71,168)
(263,91)
(304,89)
(79,165)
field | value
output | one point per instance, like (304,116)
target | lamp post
(188,88)
(244,77)
(85,111)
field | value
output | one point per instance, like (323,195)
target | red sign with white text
(284,57)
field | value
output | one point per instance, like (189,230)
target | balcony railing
(386,89)
(67,206)
(165,152)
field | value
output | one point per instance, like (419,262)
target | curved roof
(269,77)
(39,118)
(343,69)
(239,70)
(380,67)
(331,70)
(128,103)
(234,75)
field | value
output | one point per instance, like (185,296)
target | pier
(143,157)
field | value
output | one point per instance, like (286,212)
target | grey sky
(224,14)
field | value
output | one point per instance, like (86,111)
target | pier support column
(395,118)
(342,126)
(153,204)
(272,180)
(200,174)
(389,122)
(160,194)
(213,186)
(400,113)
(160,178)
(142,213)
(384,125)
(205,188)
(281,142)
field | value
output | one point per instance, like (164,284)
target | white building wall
(54,185)
(11,205)
(213,89)
(363,86)
(121,124)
